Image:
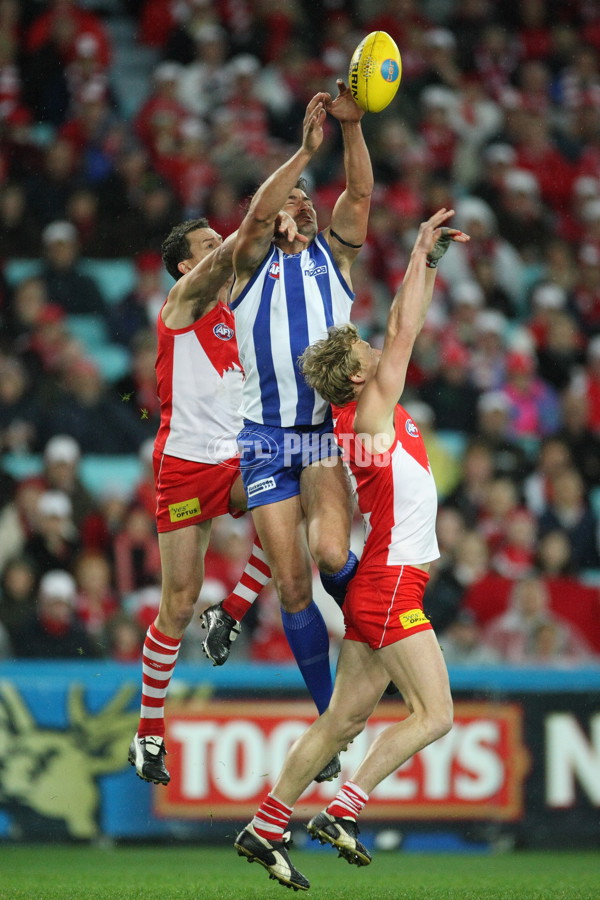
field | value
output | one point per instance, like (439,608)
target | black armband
(342,241)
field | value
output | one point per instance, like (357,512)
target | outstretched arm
(201,284)
(349,219)
(377,400)
(256,231)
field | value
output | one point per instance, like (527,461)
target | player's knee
(354,727)
(330,554)
(446,719)
(177,607)
(295,593)
(347,727)
(441,720)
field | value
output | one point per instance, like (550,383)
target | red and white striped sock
(348,802)
(254,577)
(271,819)
(158,661)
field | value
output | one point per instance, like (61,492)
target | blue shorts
(272,458)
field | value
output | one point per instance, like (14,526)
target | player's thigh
(360,680)
(281,529)
(237,498)
(182,554)
(416,666)
(326,500)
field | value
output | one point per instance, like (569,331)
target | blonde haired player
(387,634)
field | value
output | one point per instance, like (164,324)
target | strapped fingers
(440,246)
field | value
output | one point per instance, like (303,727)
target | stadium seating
(119,473)
(112,360)
(90,330)
(17,270)
(114,277)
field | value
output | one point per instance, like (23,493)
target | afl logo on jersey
(223,331)
(274,270)
(411,428)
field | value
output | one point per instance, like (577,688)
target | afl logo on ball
(223,331)
(390,70)
(411,428)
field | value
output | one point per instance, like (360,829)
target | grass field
(154,873)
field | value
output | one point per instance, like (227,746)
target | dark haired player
(196,466)
(285,295)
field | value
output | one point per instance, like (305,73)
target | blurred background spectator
(54,542)
(463,645)
(61,458)
(529,632)
(69,288)
(55,632)
(18,593)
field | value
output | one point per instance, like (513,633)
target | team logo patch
(411,428)
(184,510)
(258,487)
(412,618)
(223,331)
(274,270)
(314,269)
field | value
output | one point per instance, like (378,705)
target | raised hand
(344,108)
(434,237)
(285,225)
(312,135)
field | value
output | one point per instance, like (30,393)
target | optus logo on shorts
(184,510)
(412,618)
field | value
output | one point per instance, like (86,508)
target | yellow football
(375,71)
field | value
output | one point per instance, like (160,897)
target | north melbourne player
(285,295)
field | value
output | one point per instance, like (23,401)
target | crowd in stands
(497,116)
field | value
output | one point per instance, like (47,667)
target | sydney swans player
(196,464)
(387,634)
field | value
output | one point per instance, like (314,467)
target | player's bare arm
(377,400)
(256,231)
(348,229)
(202,279)
(203,274)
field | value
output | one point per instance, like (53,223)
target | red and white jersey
(199,383)
(395,490)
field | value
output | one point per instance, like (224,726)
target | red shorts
(188,493)
(384,606)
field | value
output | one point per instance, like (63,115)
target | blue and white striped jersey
(289,303)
